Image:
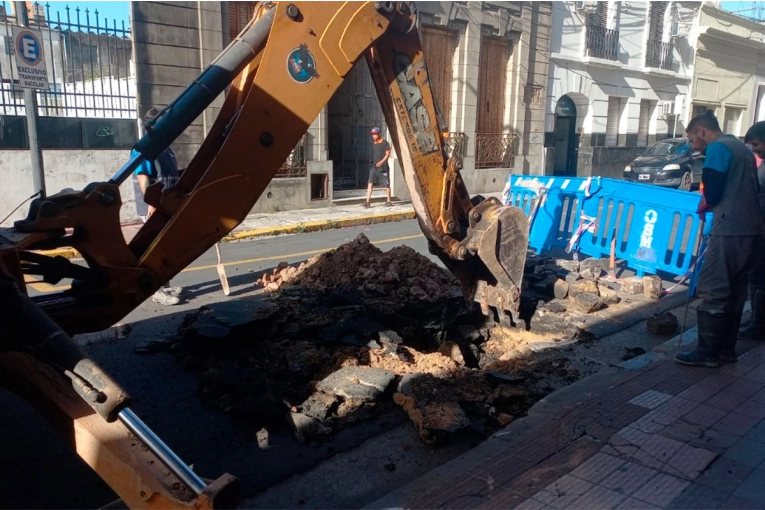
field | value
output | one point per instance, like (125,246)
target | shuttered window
(239,14)
(491,85)
(439,46)
(656,20)
(643,121)
(599,17)
(612,122)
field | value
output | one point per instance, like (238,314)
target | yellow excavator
(279,73)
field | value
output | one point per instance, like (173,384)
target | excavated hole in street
(356,332)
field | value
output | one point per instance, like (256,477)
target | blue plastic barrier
(561,199)
(655,229)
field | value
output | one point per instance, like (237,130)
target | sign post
(33,75)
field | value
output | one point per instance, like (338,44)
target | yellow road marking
(291,255)
(43,287)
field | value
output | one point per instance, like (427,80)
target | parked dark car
(670,163)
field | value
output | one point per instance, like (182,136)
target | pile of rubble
(356,331)
(586,285)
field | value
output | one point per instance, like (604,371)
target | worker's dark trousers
(757,271)
(724,279)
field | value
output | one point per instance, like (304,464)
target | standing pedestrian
(755,138)
(730,192)
(164,169)
(379,173)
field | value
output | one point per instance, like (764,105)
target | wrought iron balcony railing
(659,54)
(602,42)
(455,147)
(495,150)
(295,164)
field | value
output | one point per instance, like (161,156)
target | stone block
(587,302)
(583,287)
(608,295)
(560,289)
(652,286)
(632,285)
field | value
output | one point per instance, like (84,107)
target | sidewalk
(647,435)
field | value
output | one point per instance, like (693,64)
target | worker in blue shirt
(164,169)
(730,193)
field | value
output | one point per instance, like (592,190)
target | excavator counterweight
(277,75)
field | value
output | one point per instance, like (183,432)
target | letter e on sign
(30,58)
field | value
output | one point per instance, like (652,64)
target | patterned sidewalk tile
(634,504)
(735,423)
(562,493)
(751,408)
(699,497)
(629,478)
(753,488)
(725,475)
(690,461)
(598,468)
(653,422)
(704,415)
(727,400)
(661,490)
(598,497)
(650,399)
(677,407)
(748,452)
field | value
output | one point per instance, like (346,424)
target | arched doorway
(564,136)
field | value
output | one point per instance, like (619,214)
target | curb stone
(300,228)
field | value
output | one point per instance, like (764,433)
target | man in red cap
(378,174)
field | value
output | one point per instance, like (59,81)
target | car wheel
(686,181)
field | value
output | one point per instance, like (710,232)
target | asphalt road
(38,469)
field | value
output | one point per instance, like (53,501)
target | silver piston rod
(161,450)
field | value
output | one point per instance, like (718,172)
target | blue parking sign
(30,58)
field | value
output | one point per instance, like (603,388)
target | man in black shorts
(379,173)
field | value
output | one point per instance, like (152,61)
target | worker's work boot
(728,342)
(712,330)
(756,326)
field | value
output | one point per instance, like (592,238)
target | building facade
(729,69)
(620,78)
(488,63)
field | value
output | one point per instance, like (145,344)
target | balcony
(454,143)
(659,54)
(295,164)
(602,42)
(495,150)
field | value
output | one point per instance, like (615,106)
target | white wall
(63,169)
(591,81)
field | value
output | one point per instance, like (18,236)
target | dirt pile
(355,332)
(359,266)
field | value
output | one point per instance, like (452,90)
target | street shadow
(260,452)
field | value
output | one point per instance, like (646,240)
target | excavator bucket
(500,238)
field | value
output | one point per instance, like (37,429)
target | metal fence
(659,54)
(89,63)
(602,42)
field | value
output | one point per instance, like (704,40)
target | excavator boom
(280,72)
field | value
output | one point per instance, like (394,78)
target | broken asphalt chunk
(357,383)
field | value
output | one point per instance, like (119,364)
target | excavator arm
(280,72)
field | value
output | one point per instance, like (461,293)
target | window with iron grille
(439,46)
(491,85)
(8,44)
(732,120)
(599,17)
(239,14)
